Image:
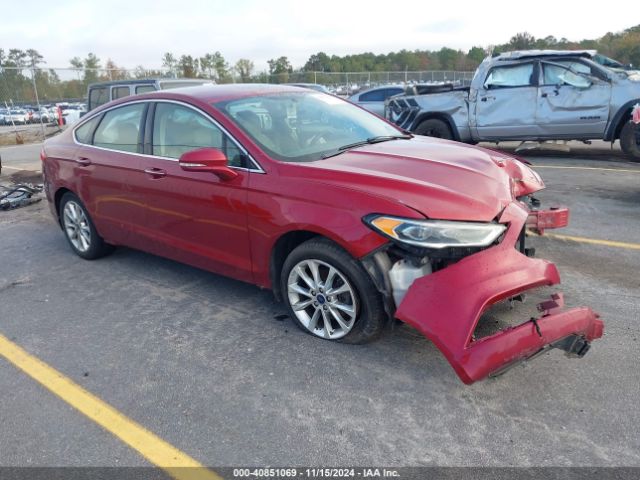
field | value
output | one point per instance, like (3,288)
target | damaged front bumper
(446,305)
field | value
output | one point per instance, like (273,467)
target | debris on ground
(550,145)
(20,195)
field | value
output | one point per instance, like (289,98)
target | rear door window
(119,128)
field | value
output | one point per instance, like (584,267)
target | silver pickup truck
(528,95)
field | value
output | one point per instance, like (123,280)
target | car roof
(517,54)
(217,93)
(148,81)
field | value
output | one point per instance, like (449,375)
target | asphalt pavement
(210,365)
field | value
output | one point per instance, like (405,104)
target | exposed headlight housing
(435,234)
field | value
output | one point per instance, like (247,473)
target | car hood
(438,178)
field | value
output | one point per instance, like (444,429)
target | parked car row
(16,116)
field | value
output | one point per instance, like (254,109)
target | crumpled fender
(445,306)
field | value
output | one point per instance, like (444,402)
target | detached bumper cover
(541,220)
(446,306)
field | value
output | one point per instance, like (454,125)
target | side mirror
(209,160)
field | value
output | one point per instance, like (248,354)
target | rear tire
(353,314)
(79,229)
(434,128)
(630,140)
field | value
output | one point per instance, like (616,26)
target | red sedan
(350,221)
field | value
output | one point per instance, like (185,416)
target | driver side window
(178,129)
(555,74)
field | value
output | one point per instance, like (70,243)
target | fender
(613,130)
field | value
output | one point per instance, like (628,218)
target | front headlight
(435,233)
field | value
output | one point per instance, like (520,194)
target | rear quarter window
(85,131)
(373,96)
(511,76)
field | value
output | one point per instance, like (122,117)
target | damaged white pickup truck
(528,95)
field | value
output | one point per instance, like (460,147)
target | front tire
(630,140)
(329,294)
(434,128)
(79,229)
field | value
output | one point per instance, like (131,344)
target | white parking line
(19,169)
(11,147)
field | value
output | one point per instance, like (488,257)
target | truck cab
(528,95)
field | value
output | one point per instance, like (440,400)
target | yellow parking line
(588,168)
(176,463)
(593,241)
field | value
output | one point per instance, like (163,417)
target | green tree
(318,62)
(188,66)
(280,65)
(206,65)
(91,64)
(244,68)
(221,68)
(34,58)
(447,57)
(17,58)
(76,62)
(281,68)
(476,55)
(169,62)
(522,41)
(113,72)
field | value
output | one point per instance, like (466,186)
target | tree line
(16,81)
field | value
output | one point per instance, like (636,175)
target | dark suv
(100,93)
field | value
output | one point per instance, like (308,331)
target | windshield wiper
(368,141)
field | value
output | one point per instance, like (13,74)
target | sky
(139,32)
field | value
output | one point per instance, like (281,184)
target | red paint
(229,222)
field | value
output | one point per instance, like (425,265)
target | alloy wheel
(76,226)
(322,298)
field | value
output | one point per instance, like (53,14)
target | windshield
(304,126)
(609,62)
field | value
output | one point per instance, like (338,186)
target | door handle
(155,172)
(83,161)
(544,95)
(484,99)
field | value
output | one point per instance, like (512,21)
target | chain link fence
(32,100)
(355,80)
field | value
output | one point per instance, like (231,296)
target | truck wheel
(630,140)
(434,128)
